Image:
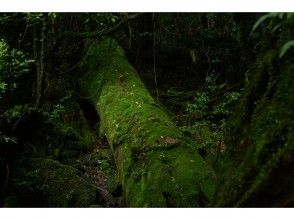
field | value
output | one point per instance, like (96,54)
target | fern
(286,47)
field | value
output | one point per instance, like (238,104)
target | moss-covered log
(157,165)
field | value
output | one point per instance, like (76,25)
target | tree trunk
(157,165)
(39,56)
(257,170)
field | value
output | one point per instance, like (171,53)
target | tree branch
(100,33)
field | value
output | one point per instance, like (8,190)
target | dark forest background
(224,79)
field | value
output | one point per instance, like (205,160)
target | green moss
(163,178)
(157,165)
(48,183)
(259,137)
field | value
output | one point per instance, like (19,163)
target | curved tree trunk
(157,165)
(257,170)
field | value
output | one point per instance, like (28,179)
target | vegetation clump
(48,183)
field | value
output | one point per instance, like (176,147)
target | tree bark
(257,168)
(39,56)
(157,165)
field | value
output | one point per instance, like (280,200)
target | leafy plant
(14,112)
(101,20)
(205,103)
(282,22)
(34,18)
(212,106)
(264,18)
(13,64)
(7,139)
(103,164)
(3,87)
(287,46)
(55,112)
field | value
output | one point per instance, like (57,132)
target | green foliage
(224,108)
(206,103)
(54,113)
(103,164)
(34,18)
(7,139)
(200,105)
(264,18)
(101,20)
(52,15)
(13,64)
(287,46)
(212,106)
(3,87)
(274,22)
(14,112)
(277,26)
(4,18)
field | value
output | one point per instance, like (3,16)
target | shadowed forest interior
(146,110)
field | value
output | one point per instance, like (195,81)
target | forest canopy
(146,110)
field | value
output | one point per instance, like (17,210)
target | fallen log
(157,165)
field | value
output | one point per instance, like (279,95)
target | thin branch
(154,56)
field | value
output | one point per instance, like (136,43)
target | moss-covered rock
(157,165)
(48,183)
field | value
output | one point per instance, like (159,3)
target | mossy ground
(42,182)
